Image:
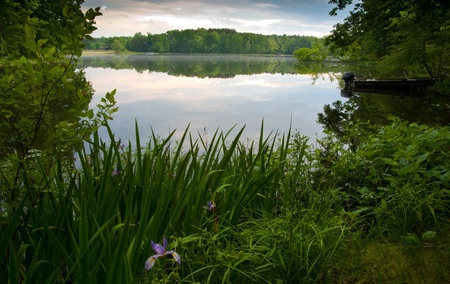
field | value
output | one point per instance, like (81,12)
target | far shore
(98,52)
(112,52)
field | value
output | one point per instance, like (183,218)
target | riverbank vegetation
(367,203)
(278,210)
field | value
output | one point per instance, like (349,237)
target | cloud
(127,17)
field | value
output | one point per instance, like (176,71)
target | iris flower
(160,252)
(115,173)
(210,206)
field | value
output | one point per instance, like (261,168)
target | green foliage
(397,178)
(419,44)
(206,41)
(55,95)
(13,12)
(140,43)
(367,112)
(285,212)
(388,261)
(412,37)
(295,248)
(60,24)
(119,45)
(44,116)
(90,221)
(37,72)
(42,96)
(317,52)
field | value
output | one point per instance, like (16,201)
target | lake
(210,92)
(170,92)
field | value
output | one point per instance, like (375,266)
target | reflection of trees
(328,70)
(336,116)
(319,70)
(217,66)
(377,109)
(222,65)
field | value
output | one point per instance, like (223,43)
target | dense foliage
(274,210)
(43,103)
(203,41)
(61,24)
(373,110)
(43,96)
(317,52)
(412,37)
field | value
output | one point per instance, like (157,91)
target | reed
(233,212)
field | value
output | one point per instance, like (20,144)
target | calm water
(167,93)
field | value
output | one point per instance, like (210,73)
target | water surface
(166,93)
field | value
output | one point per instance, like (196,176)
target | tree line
(203,41)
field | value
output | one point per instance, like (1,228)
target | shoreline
(91,52)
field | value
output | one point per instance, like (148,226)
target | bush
(397,177)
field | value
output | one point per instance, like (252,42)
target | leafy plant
(397,176)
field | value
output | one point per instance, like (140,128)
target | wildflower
(210,206)
(115,173)
(161,251)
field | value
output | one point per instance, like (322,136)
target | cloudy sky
(291,17)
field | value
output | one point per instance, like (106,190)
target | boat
(387,86)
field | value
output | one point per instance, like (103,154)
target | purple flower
(161,251)
(115,173)
(210,206)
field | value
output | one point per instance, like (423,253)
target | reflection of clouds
(256,82)
(150,86)
(165,102)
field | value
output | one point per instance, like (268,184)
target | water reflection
(202,66)
(216,66)
(163,102)
(377,109)
(168,92)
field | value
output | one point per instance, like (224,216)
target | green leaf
(23,60)
(41,42)
(421,158)
(90,14)
(13,270)
(66,10)
(412,238)
(7,235)
(428,235)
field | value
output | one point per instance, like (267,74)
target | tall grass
(94,223)
(274,221)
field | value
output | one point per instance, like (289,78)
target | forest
(203,41)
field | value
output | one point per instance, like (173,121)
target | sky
(290,17)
